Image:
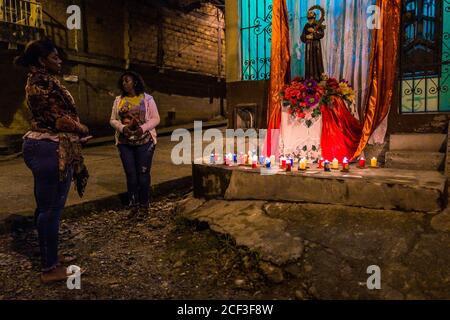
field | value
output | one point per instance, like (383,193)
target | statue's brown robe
(313,53)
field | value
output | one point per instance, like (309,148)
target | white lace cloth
(297,140)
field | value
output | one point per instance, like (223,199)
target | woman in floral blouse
(135,116)
(51,149)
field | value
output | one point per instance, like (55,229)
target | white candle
(272,160)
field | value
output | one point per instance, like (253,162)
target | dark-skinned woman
(51,149)
(135,117)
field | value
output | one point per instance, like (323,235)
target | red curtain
(341,131)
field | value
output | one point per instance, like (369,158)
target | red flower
(333,83)
(301,115)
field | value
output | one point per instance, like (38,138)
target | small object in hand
(127,132)
(138,133)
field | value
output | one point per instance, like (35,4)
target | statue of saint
(312,33)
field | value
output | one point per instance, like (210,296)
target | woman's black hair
(33,51)
(139,85)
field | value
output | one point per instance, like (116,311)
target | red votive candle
(288,167)
(345,164)
(362,162)
(321,161)
(283,163)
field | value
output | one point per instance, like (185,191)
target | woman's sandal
(58,274)
(66,259)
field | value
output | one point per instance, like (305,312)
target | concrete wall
(180,53)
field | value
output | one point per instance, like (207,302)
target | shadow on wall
(14,112)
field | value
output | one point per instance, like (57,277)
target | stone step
(433,142)
(415,160)
(381,188)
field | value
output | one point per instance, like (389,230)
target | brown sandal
(57,274)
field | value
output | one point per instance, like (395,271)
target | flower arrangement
(304,98)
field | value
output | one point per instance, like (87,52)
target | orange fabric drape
(383,63)
(279,68)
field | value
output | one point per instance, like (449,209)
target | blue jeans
(41,157)
(137,163)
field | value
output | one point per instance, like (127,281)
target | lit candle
(241,158)
(335,164)
(249,157)
(326,166)
(321,161)
(288,166)
(245,159)
(345,166)
(374,162)
(261,160)
(362,162)
(302,164)
(255,161)
(212,158)
(268,163)
(283,162)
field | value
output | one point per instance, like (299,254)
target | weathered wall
(180,54)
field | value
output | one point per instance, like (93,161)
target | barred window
(425,56)
(256,30)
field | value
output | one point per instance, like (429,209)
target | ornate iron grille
(256,30)
(425,55)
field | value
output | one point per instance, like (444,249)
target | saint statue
(312,33)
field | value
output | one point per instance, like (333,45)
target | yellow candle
(335,164)
(374,162)
(303,164)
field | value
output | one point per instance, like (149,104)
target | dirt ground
(162,257)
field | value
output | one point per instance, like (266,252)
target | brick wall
(187,41)
(175,51)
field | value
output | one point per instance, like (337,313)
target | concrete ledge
(403,190)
